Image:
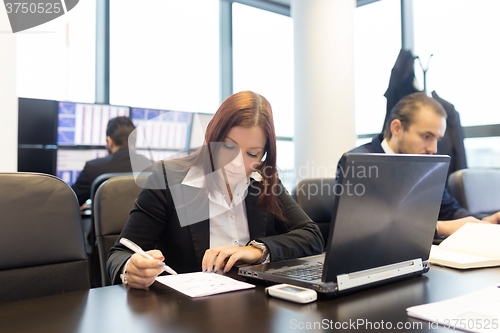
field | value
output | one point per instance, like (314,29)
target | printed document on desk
(202,284)
(475,312)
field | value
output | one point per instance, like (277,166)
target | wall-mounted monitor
(36,160)
(161,129)
(85,124)
(70,162)
(37,121)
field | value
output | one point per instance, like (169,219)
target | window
(286,163)
(377,42)
(57,59)
(462,35)
(165,54)
(263,60)
(483,152)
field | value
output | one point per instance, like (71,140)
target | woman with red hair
(222,205)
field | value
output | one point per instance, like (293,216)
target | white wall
(324,84)
(8,97)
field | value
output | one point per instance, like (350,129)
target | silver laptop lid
(385,211)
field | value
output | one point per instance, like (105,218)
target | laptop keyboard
(307,272)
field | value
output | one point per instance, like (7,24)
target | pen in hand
(136,248)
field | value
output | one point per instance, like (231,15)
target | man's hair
(119,129)
(407,107)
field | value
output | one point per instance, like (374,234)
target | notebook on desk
(383,221)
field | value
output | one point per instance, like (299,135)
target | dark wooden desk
(118,309)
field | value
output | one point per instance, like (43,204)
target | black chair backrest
(476,189)
(316,197)
(102,178)
(113,202)
(42,247)
(95,270)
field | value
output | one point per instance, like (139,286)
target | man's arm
(452,216)
(450,209)
(446,228)
(494,219)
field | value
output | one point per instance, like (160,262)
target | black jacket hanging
(453,141)
(401,82)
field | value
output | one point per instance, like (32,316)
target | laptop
(384,216)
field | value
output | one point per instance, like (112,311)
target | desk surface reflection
(161,309)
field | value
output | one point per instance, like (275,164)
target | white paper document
(474,245)
(443,257)
(475,312)
(202,284)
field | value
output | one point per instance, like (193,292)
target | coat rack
(424,70)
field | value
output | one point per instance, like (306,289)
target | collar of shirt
(196,178)
(385,146)
(228,224)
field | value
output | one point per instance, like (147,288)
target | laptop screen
(385,210)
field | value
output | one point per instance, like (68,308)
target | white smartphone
(292,293)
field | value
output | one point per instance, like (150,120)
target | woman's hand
(142,272)
(226,256)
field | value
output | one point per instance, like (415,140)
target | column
(324,85)
(8,96)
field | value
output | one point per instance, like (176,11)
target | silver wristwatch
(123,277)
(265,251)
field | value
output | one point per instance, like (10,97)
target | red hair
(246,109)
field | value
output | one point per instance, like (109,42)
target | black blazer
(117,162)
(154,223)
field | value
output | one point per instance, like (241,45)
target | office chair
(315,197)
(41,238)
(476,189)
(102,178)
(113,202)
(95,271)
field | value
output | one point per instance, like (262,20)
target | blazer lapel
(257,218)
(200,233)
(198,213)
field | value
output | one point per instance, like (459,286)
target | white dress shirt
(228,222)
(385,146)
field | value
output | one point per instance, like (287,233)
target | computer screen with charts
(85,124)
(161,129)
(70,162)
